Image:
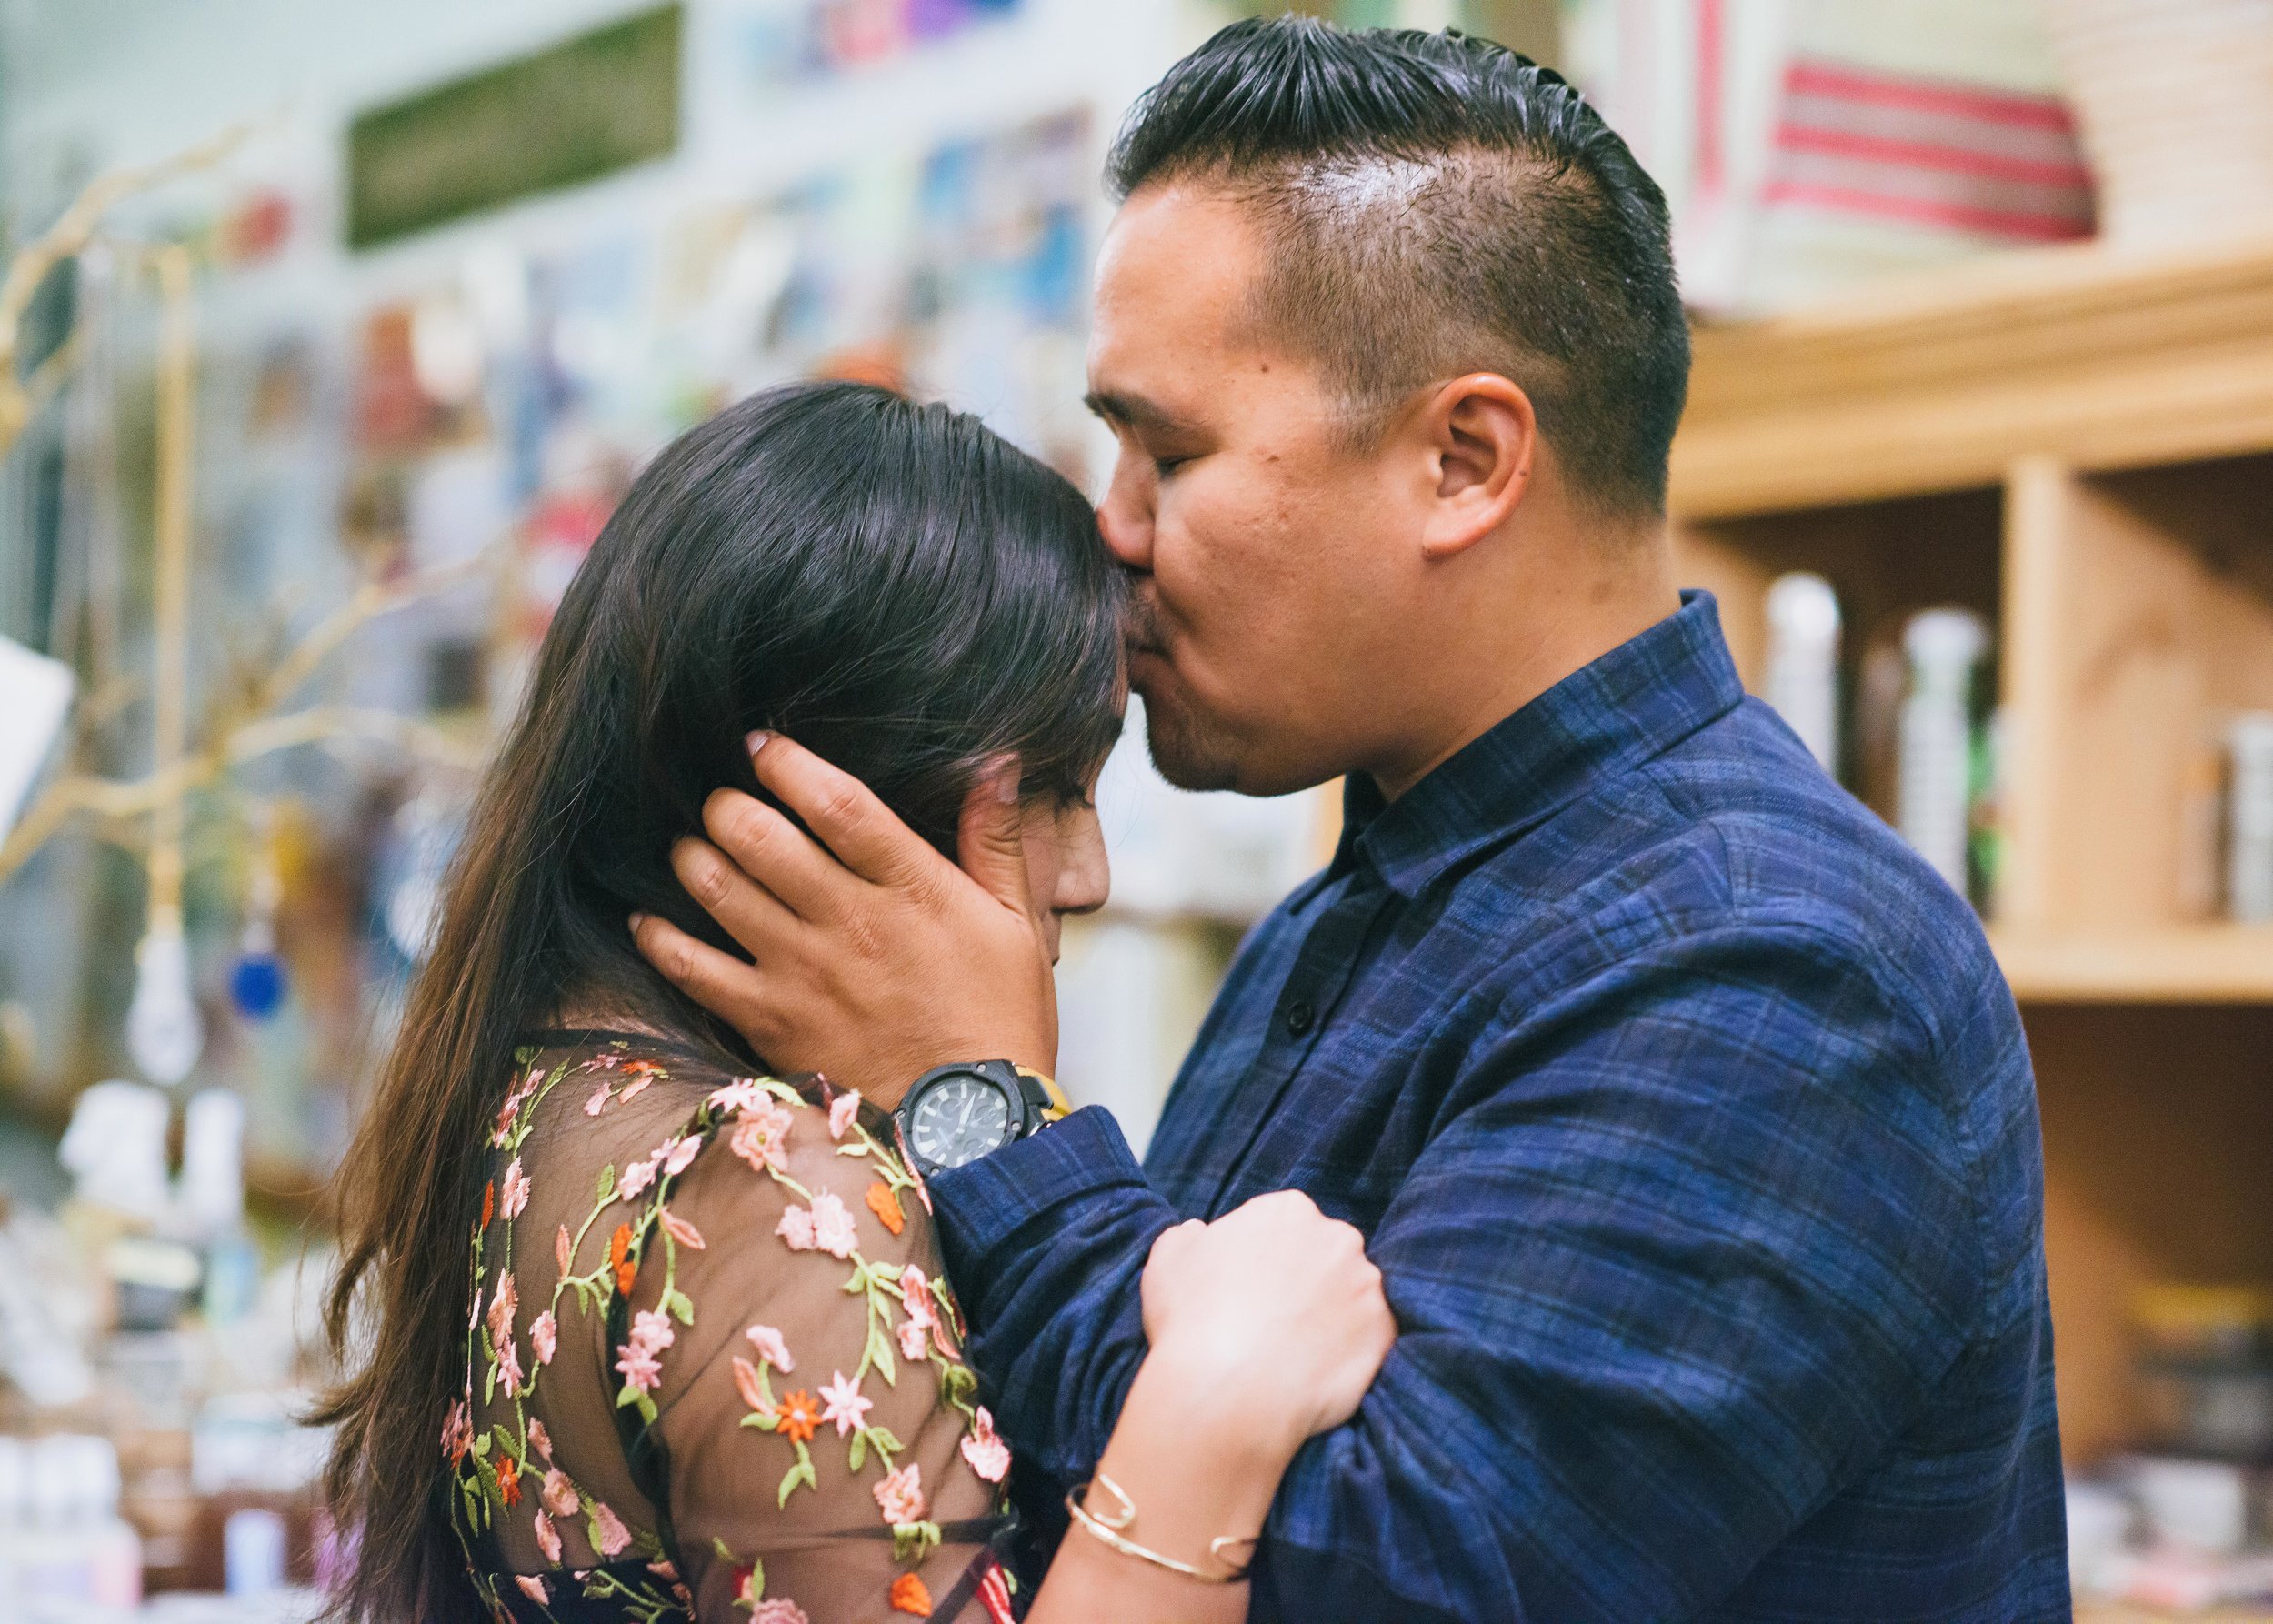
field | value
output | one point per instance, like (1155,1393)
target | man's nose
(1125,519)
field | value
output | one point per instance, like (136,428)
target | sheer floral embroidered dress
(713,1371)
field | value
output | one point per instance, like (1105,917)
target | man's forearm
(1046,1242)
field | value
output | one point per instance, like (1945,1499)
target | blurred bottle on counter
(1803,662)
(63,1545)
(1936,771)
(212,1207)
(2250,818)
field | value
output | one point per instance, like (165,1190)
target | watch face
(959,1119)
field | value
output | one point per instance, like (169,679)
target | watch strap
(1058,1106)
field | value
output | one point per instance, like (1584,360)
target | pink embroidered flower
(637,1178)
(747,1383)
(651,1333)
(916,1296)
(502,1308)
(680,1230)
(514,1199)
(913,1340)
(651,1327)
(900,1497)
(600,1097)
(639,1367)
(564,1250)
(779,1610)
(988,1455)
(533,1587)
(833,1229)
(541,1440)
(796,1228)
(614,1538)
(743,1094)
(842,1112)
(761,1135)
(663,1570)
(771,1348)
(842,1403)
(509,1375)
(608,1060)
(547,1538)
(559,1495)
(545,1337)
(682,1152)
(457,1434)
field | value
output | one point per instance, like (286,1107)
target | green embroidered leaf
(802,1472)
(524,1055)
(856,1149)
(719,1548)
(757,1579)
(958,1383)
(910,1540)
(677,1304)
(481,1447)
(764,1422)
(858,1456)
(886,1441)
(608,1183)
(880,1351)
(506,1444)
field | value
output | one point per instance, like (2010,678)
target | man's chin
(1183,751)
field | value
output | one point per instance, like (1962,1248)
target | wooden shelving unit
(2078,444)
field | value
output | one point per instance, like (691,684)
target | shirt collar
(1634,703)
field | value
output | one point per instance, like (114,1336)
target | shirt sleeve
(1663,1286)
(812,1410)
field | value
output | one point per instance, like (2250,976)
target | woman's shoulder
(634,1109)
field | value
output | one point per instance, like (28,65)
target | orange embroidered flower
(800,1416)
(489,1202)
(619,1258)
(887,1207)
(909,1596)
(508,1481)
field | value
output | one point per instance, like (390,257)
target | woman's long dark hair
(889,584)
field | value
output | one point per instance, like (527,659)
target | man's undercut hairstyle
(1435,205)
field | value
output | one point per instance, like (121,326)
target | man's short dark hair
(1435,205)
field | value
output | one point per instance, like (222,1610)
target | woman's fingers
(736,992)
(782,859)
(842,811)
(747,911)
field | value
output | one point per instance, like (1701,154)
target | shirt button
(1301,1018)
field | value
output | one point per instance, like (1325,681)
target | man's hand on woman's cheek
(875,958)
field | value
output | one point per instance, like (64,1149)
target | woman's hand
(1274,1312)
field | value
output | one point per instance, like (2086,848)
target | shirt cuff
(985,1204)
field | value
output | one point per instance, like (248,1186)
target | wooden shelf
(2105,358)
(2209,964)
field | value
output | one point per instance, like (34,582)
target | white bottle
(77,1549)
(212,1204)
(1803,662)
(1934,777)
(2249,819)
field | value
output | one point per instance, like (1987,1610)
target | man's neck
(1560,632)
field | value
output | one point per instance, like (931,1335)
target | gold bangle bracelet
(1108,1530)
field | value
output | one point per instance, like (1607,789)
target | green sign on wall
(600,102)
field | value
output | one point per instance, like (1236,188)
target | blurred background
(331,334)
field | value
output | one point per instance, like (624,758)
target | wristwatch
(955,1114)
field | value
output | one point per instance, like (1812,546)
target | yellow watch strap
(1059,1106)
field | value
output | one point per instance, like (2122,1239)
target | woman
(640,1332)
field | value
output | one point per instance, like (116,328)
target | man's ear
(1483,435)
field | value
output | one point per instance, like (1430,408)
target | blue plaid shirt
(1692,1128)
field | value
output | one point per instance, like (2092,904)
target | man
(1687,1114)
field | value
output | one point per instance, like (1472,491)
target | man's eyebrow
(1134,410)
